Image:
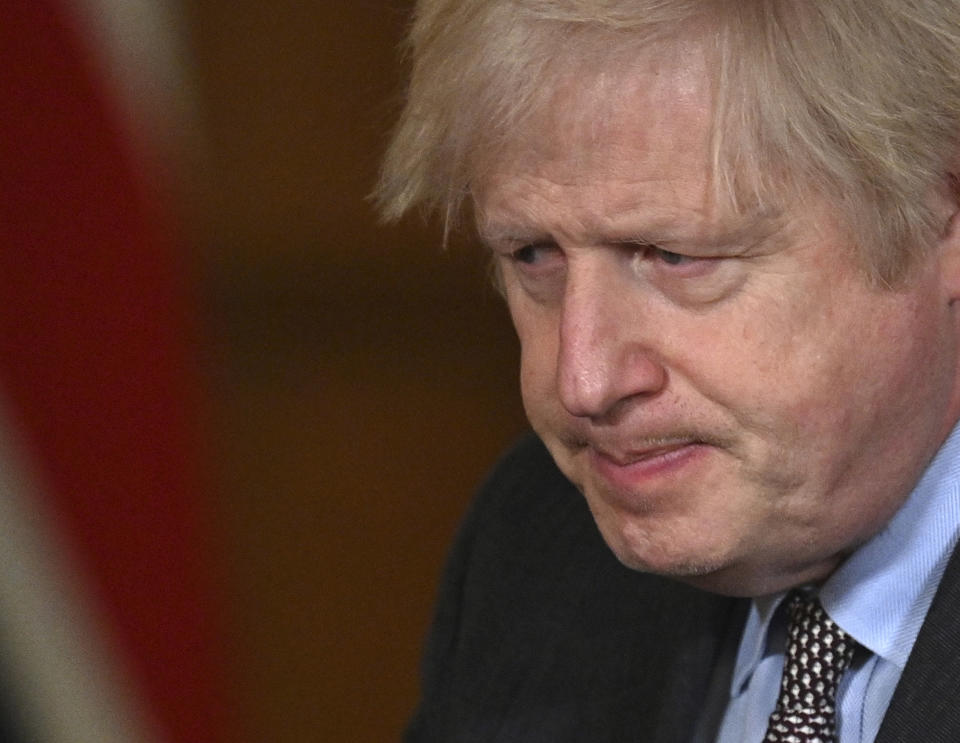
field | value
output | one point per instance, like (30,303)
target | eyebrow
(749,227)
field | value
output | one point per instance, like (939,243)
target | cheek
(537,375)
(833,377)
(782,366)
(538,359)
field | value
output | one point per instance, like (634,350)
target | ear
(949,240)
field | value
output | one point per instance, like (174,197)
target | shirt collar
(880,595)
(754,641)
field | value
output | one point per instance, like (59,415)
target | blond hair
(857,101)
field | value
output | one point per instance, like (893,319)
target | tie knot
(818,652)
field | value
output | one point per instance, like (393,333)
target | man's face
(739,408)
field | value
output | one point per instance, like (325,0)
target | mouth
(628,457)
(634,470)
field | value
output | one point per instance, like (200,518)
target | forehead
(631,98)
(628,137)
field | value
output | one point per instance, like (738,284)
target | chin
(709,565)
(744,578)
(714,576)
(640,549)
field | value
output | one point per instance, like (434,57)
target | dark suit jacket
(542,636)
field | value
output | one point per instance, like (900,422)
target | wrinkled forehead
(596,115)
(621,130)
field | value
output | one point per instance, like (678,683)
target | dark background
(362,378)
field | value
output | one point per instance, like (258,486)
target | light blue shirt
(879,596)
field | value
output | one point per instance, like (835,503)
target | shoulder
(541,633)
(526,500)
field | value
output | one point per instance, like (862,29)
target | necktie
(818,652)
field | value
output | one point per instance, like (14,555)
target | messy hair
(857,101)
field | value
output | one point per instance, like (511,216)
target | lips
(636,470)
(633,456)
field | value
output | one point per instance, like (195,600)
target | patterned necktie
(818,652)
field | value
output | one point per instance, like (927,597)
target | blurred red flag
(108,620)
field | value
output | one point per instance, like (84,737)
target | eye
(668,265)
(651,253)
(534,253)
(528,254)
(668,256)
(671,261)
(537,268)
(537,259)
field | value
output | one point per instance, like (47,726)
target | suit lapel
(695,690)
(926,703)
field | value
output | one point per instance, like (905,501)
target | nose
(605,356)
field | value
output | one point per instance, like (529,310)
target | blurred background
(362,378)
(344,384)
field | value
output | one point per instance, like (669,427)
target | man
(727,234)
